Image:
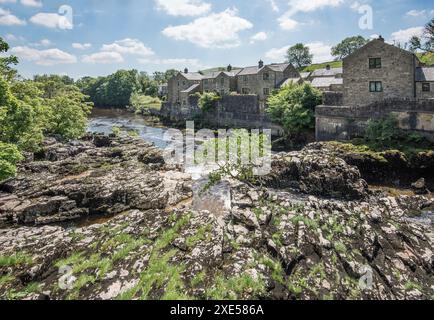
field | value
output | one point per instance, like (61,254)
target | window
(205,81)
(183,83)
(245,90)
(376,86)
(266,76)
(375,63)
(222,81)
(245,78)
(426,87)
(266,91)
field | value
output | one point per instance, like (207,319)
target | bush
(9,157)
(207,101)
(142,103)
(293,107)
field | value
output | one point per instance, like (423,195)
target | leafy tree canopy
(348,46)
(299,55)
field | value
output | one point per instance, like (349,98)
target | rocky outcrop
(96,177)
(316,172)
(304,239)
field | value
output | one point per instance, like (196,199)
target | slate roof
(213,75)
(288,81)
(278,67)
(192,76)
(305,75)
(425,74)
(326,82)
(191,89)
(327,73)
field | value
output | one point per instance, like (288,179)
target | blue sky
(97,37)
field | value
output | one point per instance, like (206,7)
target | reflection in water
(103,120)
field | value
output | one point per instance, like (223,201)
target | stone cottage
(327,79)
(262,79)
(182,85)
(379,79)
(223,82)
(380,71)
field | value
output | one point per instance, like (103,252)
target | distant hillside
(427,58)
(313,67)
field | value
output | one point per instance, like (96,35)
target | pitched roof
(425,74)
(191,89)
(289,81)
(278,67)
(304,75)
(213,75)
(326,82)
(327,73)
(192,76)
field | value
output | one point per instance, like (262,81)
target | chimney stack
(185,70)
(229,68)
(260,64)
(381,38)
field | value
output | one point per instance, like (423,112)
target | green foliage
(17,259)
(142,103)
(299,55)
(348,46)
(293,107)
(9,156)
(207,101)
(6,71)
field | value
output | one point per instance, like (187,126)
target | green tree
(6,62)
(207,101)
(348,46)
(299,55)
(9,157)
(293,107)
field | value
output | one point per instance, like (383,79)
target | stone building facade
(262,80)
(180,85)
(223,82)
(380,71)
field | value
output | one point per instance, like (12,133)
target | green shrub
(9,156)
(142,103)
(293,107)
(207,101)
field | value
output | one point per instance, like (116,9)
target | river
(103,121)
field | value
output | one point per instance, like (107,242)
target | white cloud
(295,6)
(128,46)
(103,58)
(81,46)
(8,19)
(273,5)
(321,52)
(174,62)
(217,30)
(42,43)
(47,57)
(31,3)
(277,54)
(416,13)
(183,7)
(51,20)
(260,36)
(405,35)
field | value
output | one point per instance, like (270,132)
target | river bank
(310,230)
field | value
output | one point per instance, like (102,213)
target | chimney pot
(260,63)
(328,67)
(185,70)
(381,38)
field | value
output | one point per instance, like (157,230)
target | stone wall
(345,123)
(238,111)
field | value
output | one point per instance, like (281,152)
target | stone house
(223,82)
(262,79)
(182,85)
(425,82)
(380,71)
